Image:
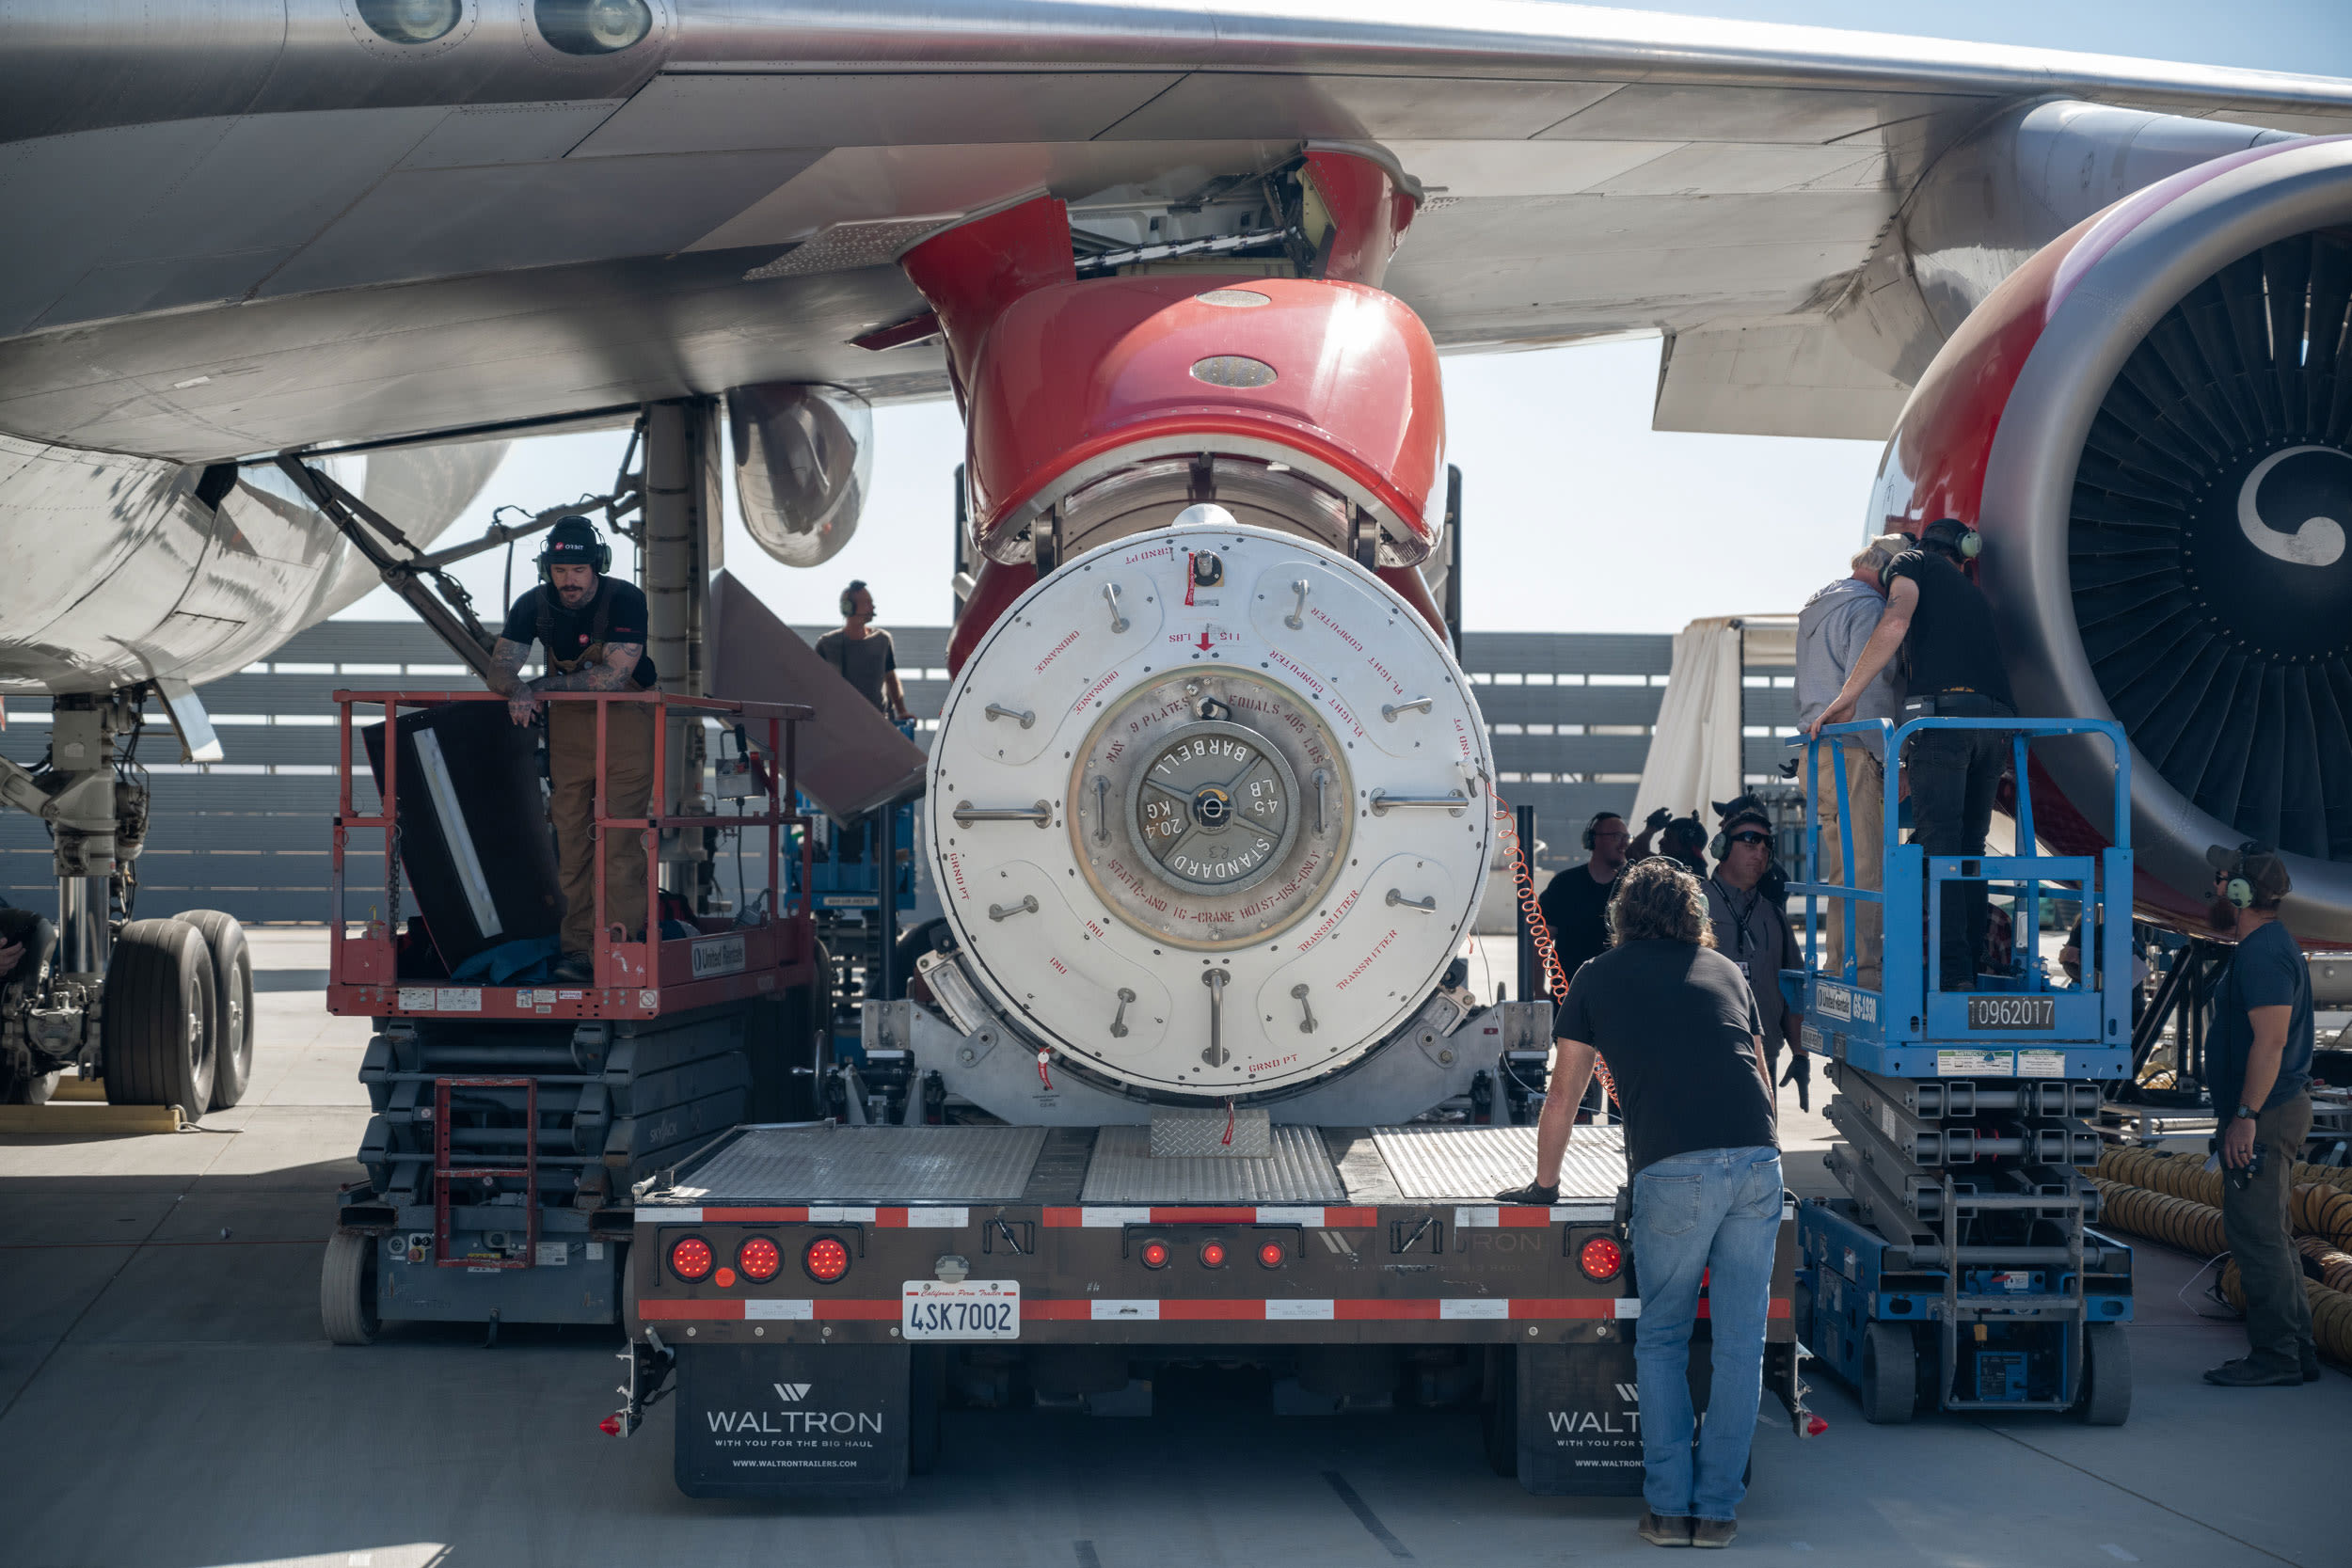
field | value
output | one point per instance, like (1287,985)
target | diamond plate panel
(1298,1171)
(796,1165)
(848,245)
(1213,1131)
(1469,1164)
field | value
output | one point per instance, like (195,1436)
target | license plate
(2012,1012)
(968,1309)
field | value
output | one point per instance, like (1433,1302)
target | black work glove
(1657,819)
(1534,1195)
(1799,1072)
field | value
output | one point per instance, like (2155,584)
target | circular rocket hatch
(1269,812)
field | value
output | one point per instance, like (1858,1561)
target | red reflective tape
(1056,1311)
(866,1311)
(1564,1307)
(1212,1310)
(1204,1216)
(891,1218)
(1361,1218)
(758,1216)
(1780,1308)
(1064,1219)
(1362,1311)
(1520,1215)
(666,1312)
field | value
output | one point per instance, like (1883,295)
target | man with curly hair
(1679,1027)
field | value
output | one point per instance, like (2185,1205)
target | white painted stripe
(1583,1212)
(1629,1307)
(1291,1216)
(1488,1216)
(1141,1312)
(840,1216)
(1113,1216)
(937,1219)
(675,1217)
(796,1311)
(1298,1311)
(1491,1307)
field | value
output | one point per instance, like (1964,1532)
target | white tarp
(1695,752)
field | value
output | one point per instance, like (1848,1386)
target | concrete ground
(166,1401)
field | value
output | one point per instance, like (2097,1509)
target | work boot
(1673,1531)
(1713,1532)
(2243,1373)
(575,967)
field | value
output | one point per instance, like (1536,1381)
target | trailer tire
(2107,1397)
(1890,1374)
(232,1003)
(1500,1418)
(347,1289)
(157,1036)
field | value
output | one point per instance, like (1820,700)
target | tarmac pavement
(168,1401)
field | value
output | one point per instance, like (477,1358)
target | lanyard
(1756,897)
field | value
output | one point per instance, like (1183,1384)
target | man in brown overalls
(593,628)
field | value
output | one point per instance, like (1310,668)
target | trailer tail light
(691,1258)
(826,1260)
(1212,1255)
(1271,1254)
(760,1258)
(1155,1255)
(1600,1257)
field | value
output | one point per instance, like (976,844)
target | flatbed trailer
(817,1290)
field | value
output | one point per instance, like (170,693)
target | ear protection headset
(2238,889)
(1720,845)
(570,541)
(1954,534)
(849,595)
(1593,826)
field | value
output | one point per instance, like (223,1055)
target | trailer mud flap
(1580,1418)
(792,1420)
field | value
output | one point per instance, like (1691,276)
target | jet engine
(2150,422)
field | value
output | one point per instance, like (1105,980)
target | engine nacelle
(2152,423)
(1210,809)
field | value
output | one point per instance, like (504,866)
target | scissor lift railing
(632,980)
(1988,1082)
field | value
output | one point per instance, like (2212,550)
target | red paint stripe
(662,1311)
(1582,1306)
(1204,1216)
(1056,1311)
(862,1311)
(895,1219)
(1365,1312)
(1064,1219)
(1361,1218)
(1194,1311)
(758,1216)
(1512,1215)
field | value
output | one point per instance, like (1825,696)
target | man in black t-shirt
(1576,902)
(862,653)
(1676,1022)
(1939,618)
(593,628)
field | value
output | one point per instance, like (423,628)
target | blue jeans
(1713,1211)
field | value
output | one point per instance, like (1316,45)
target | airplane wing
(260,230)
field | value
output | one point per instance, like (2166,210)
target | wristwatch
(2246,1112)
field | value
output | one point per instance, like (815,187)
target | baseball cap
(2259,863)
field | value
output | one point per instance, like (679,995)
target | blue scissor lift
(1962,1272)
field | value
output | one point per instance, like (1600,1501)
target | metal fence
(1570,715)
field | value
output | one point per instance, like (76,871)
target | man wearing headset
(1751,923)
(863,654)
(2258,1068)
(1576,902)
(593,628)
(1939,618)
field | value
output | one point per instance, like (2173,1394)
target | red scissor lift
(512,1120)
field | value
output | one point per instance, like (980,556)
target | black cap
(1946,534)
(1746,808)
(2259,863)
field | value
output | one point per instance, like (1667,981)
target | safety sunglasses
(1751,836)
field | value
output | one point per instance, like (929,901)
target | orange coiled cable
(1540,930)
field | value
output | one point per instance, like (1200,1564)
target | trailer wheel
(2107,1397)
(347,1289)
(157,1036)
(232,1003)
(1890,1374)
(1500,1418)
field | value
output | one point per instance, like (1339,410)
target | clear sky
(1577,516)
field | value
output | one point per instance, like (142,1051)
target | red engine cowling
(2152,423)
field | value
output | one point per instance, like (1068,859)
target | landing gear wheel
(1498,1419)
(1890,1374)
(232,1003)
(2106,1396)
(347,1289)
(157,1040)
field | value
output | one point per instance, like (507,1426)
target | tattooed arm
(613,674)
(505,678)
